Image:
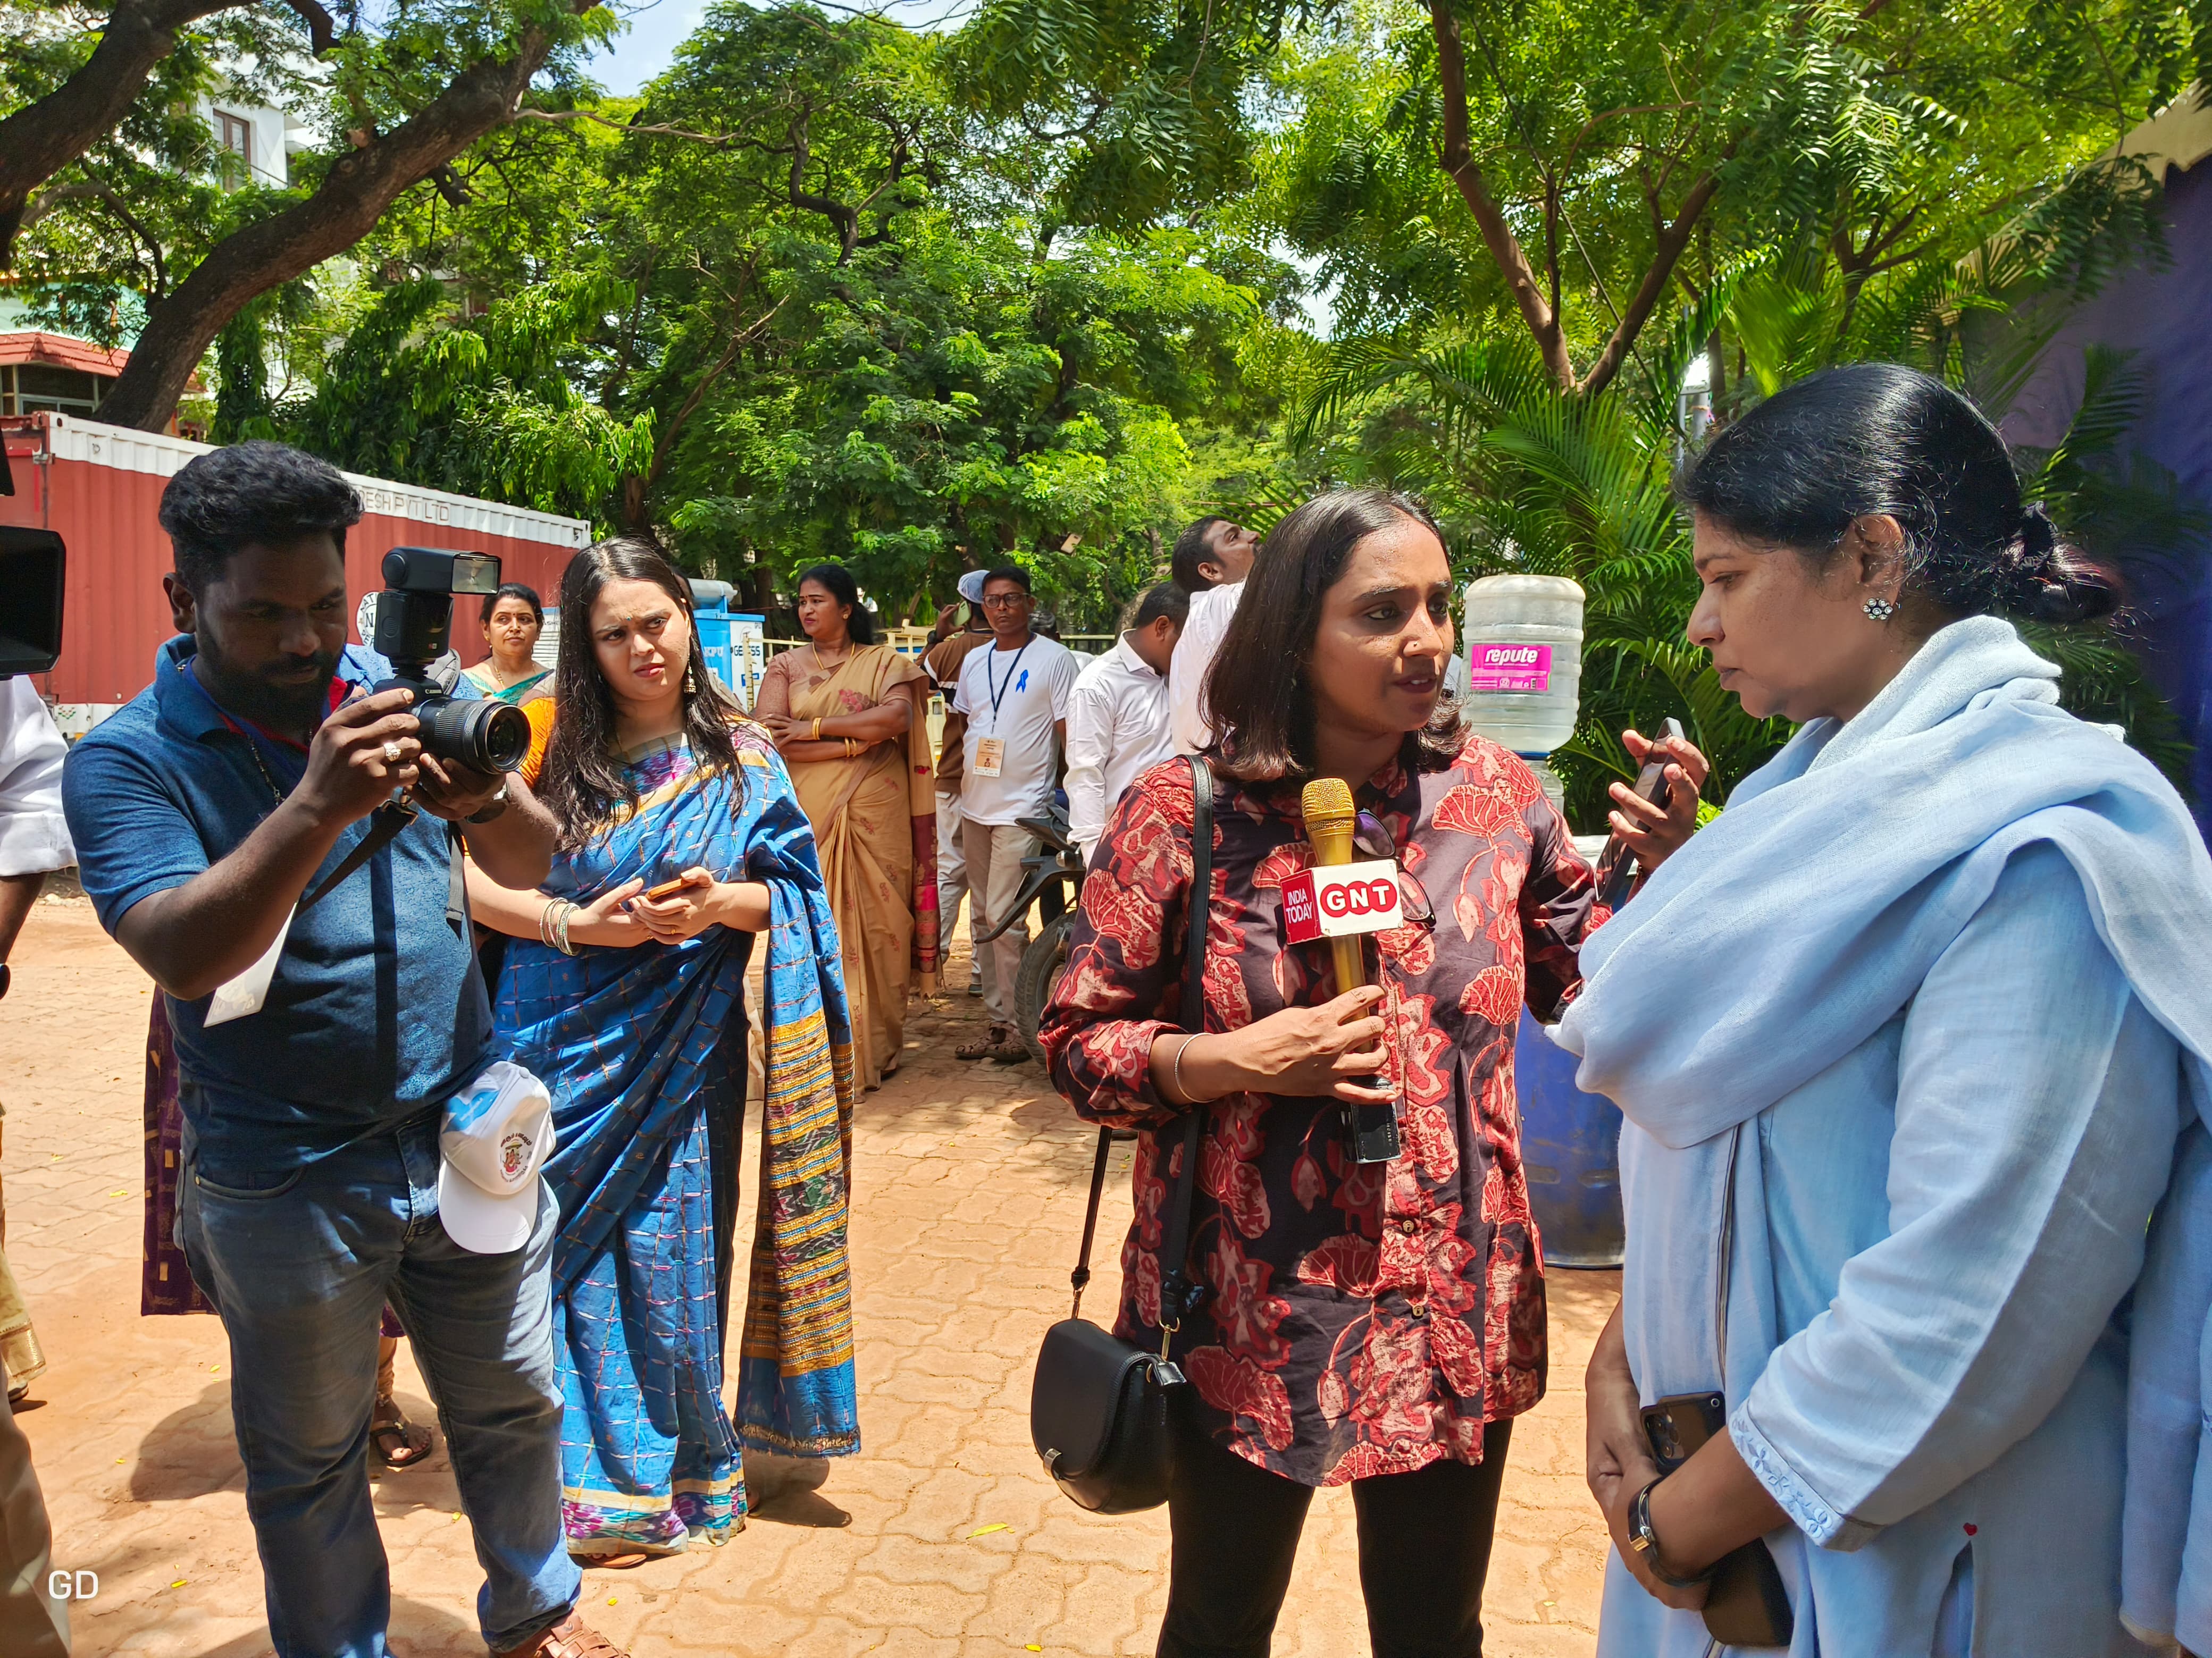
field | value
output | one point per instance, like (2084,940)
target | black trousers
(1424,1551)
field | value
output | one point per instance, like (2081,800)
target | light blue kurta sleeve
(2037,1105)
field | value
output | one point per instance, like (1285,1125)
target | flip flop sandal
(628,1560)
(397,1443)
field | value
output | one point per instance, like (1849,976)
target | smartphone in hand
(1615,868)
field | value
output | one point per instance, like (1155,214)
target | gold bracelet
(815,734)
(852,747)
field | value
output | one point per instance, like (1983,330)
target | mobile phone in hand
(1614,867)
(665,890)
(1747,1604)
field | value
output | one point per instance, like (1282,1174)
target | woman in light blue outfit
(1912,1043)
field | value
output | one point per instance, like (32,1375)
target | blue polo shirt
(376,1011)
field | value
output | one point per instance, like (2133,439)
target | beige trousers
(994,853)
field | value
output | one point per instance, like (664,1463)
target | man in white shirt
(1117,715)
(1219,554)
(1014,696)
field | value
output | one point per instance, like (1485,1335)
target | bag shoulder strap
(1175,1288)
(384,827)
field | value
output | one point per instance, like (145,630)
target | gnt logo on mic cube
(1338,900)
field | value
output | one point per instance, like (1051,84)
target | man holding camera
(322,1025)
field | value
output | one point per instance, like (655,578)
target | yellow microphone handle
(1325,804)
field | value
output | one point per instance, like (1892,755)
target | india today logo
(1338,899)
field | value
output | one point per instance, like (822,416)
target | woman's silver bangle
(1174,1075)
(560,930)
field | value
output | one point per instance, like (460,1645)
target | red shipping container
(101,487)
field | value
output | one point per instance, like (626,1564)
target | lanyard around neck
(385,823)
(999,691)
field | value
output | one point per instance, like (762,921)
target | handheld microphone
(1370,1131)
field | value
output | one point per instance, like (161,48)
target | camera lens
(487,736)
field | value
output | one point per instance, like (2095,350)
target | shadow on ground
(417,1630)
(188,1452)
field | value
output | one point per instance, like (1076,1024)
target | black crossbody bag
(1098,1405)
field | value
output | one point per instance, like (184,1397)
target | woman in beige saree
(846,714)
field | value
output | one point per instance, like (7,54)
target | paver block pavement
(969,1184)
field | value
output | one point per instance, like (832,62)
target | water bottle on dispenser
(1525,659)
(1524,665)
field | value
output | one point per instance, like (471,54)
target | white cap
(971,587)
(496,1137)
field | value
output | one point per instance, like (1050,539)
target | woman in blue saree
(623,989)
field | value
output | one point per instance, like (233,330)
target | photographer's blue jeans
(298,1267)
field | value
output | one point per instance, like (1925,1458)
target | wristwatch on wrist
(493,807)
(1645,1542)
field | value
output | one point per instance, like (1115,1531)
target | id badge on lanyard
(235,999)
(990,751)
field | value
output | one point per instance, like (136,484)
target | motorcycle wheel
(1042,963)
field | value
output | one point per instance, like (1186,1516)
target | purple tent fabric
(2161,316)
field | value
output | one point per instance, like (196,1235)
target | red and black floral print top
(1360,1320)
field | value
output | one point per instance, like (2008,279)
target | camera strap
(383,826)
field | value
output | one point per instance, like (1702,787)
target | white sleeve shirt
(1117,725)
(1202,632)
(1018,697)
(33,835)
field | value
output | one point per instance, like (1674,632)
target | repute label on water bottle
(1509,668)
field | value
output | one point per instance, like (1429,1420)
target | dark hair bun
(1875,438)
(2042,579)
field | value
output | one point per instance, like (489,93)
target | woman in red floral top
(1379,1323)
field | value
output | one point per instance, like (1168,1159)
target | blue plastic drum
(1571,1149)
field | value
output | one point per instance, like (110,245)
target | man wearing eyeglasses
(1014,697)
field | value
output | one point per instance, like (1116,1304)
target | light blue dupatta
(1839,874)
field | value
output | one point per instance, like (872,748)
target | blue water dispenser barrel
(1571,1152)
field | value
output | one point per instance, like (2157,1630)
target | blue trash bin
(1570,1150)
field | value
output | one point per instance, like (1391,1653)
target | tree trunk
(1458,163)
(1665,255)
(42,138)
(345,208)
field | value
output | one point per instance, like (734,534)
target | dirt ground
(941,1537)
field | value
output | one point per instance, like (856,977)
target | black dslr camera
(413,621)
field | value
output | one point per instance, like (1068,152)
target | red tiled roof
(60,351)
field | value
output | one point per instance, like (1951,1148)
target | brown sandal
(570,1638)
(992,1045)
(625,1561)
(393,1440)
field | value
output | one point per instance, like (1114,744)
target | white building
(254,143)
